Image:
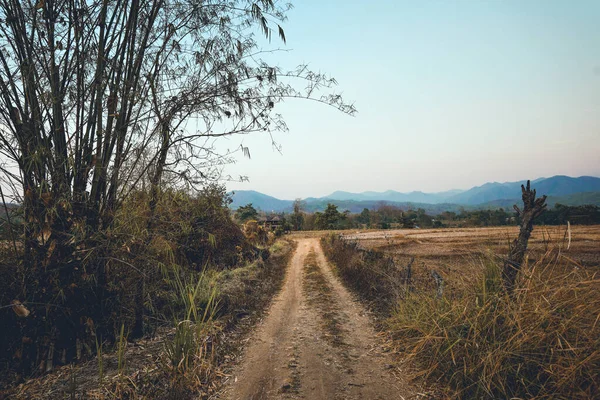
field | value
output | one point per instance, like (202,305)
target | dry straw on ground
(476,341)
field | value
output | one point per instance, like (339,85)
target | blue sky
(450,94)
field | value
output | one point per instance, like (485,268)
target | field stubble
(540,343)
(456,253)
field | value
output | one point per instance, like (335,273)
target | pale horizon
(450,95)
(407,191)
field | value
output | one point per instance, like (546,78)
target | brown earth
(458,254)
(316,342)
(452,242)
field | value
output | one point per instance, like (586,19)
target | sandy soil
(291,354)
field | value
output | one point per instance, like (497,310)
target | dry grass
(475,341)
(544,343)
(182,362)
(456,253)
(372,275)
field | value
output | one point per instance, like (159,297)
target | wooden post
(439,281)
(532,208)
(408,273)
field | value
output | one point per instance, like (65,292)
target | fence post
(439,281)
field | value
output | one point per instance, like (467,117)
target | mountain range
(559,189)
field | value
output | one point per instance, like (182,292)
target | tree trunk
(532,208)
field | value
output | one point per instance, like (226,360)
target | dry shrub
(257,234)
(543,343)
(99,291)
(248,289)
(369,273)
(183,361)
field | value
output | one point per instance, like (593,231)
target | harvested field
(454,252)
(467,335)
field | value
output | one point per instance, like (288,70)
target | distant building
(272,223)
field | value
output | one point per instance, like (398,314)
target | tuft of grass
(121,346)
(543,343)
(371,274)
(188,348)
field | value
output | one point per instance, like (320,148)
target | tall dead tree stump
(532,208)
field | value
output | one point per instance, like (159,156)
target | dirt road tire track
(289,356)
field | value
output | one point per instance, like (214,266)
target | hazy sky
(450,94)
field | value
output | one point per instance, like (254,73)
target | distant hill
(556,186)
(559,189)
(391,195)
(267,203)
(575,199)
(259,201)
(488,192)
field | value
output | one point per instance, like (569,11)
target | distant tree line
(579,215)
(392,217)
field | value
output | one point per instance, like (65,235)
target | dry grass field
(474,338)
(457,253)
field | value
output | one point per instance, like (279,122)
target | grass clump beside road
(210,309)
(543,342)
(368,273)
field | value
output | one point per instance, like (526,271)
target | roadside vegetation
(479,336)
(371,274)
(112,225)
(202,275)
(542,342)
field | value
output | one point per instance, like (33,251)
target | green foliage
(561,214)
(280,230)
(191,292)
(497,217)
(297,217)
(187,350)
(245,213)
(331,218)
(387,216)
(181,350)
(364,217)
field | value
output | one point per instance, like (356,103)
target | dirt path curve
(292,355)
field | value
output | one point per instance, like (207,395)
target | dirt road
(315,343)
